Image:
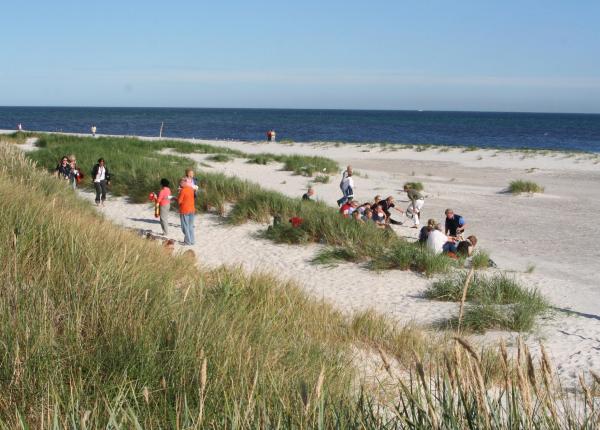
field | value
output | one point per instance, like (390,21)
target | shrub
(323,179)
(219,158)
(286,233)
(480,259)
(520,186)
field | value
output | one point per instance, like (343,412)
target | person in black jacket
(63,169)
(101,178)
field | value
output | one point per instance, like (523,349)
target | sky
(541,56)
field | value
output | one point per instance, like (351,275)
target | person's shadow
(148,220)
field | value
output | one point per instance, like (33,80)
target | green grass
(322,179)
(18,137)
(418,186)
(220,158)
(521,186)
(103,329)
(404,255)
(308,166)
(498,301)
(480,259)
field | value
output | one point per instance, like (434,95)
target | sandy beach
(547,241)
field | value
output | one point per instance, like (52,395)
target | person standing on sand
(347,186)
(416,204)
(19,127)
(273,135)
(63,168)
(186,211)
(93,130)
(75,175)
(164,203)
(101,178)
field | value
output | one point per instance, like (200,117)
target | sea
(568,132)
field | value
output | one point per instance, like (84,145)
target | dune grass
(480,259)
(115,333)
(498,302)
(520,186)
(322,179)
(404,255)
(220,158)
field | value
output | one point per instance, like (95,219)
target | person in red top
(164,202)
(187,208)
(347,207)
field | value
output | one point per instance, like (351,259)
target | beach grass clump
(321,179)
(417,186)
(521,186)
(404,255)
(480,259)
(309,165)
(497,301)
(286,233)
(220,158)
(262,159)
(18,137)
(333,255)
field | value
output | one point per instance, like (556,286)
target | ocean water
(580,132)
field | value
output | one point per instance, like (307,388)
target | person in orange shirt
(186,211)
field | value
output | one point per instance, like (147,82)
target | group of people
(67,169)
(271,135)
(439,239)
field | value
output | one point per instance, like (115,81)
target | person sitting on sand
(436,241)
(376,201)
(63,168)
(424,233)
(185,199)
(367,215)
(164,202)
(347,186)
(308,195)
(416,204)
(466,247)
(362,208)
(379,217)
(357,217)
(345,208)
(455,224)
(388,204)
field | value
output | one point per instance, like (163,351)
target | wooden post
(464,297)
(161,128)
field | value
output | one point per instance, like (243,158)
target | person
(347,186)
(424,233)
(75,175)
(93,130)
(164,202)
(455,224)
(191,180)
(63,168)
(346,208)
(376,200)
(100,178)
(273,135)
(357,217)
(308,195)
(416,204)
(19,127)
(437,241)
(269,136)
(379,217)
(388,204)
(465,247)
(187,208)
(368,215)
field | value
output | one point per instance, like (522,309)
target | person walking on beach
(187,208)
(19,127)
(273,135)
(416,204)
(63,168)
(93,130)
(164,203)
(346,185)
(101,178)
(75,174)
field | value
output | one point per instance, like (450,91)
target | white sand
(556,233)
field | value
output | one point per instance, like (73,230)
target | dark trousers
(100,190)
(389,217)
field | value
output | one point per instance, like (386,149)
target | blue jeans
(450,247)
(348,192)
(187,226)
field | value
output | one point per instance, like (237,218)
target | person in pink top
(164,201)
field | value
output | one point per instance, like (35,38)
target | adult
(346,209)
(357,217)
(437,240)
(376,200)
(455,224)
(386,205)
(187,209)
(191,180)
(164,202)
(379,217)
(347,186)
(424,233)
(19,127)
(308,195)
(93,130)
(368,215)
(416,204)
(269,136)
(273,135)
(100,178)
(465,247)
(63,168)
(75,174)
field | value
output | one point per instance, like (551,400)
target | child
(164,202)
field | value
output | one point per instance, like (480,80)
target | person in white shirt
(346,185)
(93,130)
(101,178)
(436,240)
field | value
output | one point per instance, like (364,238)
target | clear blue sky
(394,54)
